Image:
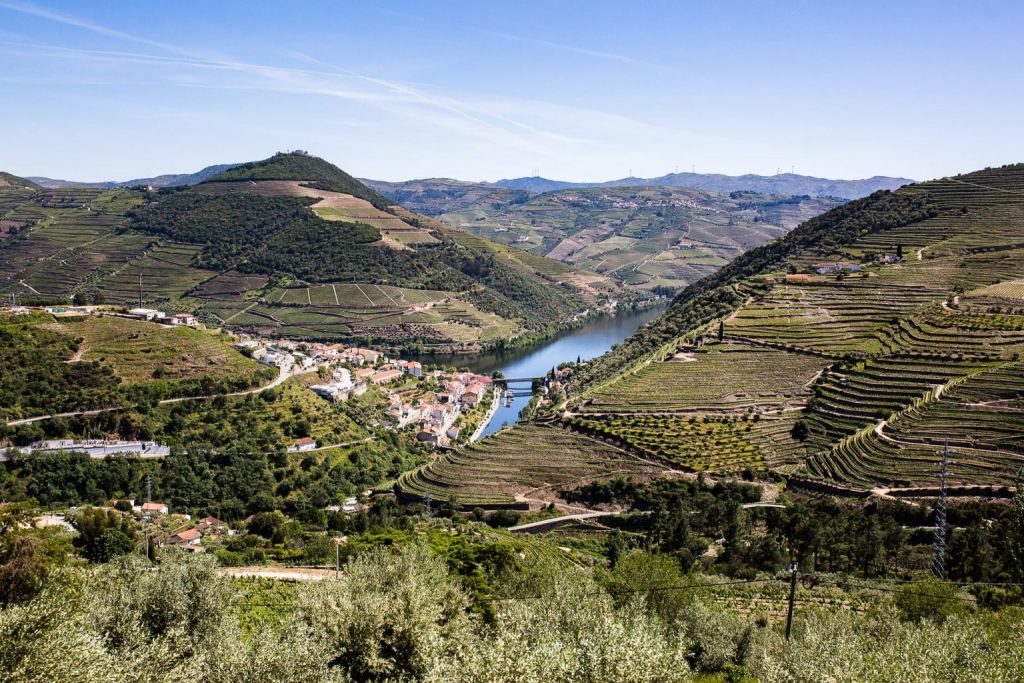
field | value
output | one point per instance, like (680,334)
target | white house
(146,313)
(183,319)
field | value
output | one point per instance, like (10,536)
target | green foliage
(389,617)
(24,564)
(935,600)
(103,534)
(401,616)
(36,378)
(266,524)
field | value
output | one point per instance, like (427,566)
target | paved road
(286,573)
(536,526)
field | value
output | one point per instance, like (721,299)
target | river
(586,342)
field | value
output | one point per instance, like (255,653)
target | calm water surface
(593,339)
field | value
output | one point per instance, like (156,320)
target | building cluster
(348,371)
(100,448)
(435,413)
(176,319)
(147,314)
(835,267)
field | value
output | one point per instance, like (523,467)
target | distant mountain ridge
(781,184)
(166,180)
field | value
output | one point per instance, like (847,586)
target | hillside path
(282,377)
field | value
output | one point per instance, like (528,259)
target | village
(428,401)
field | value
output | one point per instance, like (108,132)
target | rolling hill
(849,380)
(289,245)
(658,238)
(165,180)
(779,184)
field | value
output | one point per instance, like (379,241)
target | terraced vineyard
(718,376)
(514,463)
(166,272)
(287,246)
(848,399)
(851,378)
(643,236)
(717,444)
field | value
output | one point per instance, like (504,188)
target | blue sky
(480,91)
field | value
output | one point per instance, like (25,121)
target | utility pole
(426,501)
(337,557)
(792,598)
(938,560)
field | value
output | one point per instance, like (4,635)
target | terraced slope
(517,466)
(290,245)
(651,237)
(855,378)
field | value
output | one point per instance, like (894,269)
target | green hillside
(291,245)
(655,238)
(10,180)
(849,380)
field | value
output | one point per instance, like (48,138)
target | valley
(843,382)
(652,238)
(476,391)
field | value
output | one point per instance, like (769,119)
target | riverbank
(491,412)
(592,339)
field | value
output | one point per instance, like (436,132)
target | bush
(934,600)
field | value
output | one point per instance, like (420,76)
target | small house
(305,444)
(155,508)
(187,537)
(183,319)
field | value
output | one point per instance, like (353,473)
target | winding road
(282,377)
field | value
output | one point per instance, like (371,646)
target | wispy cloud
(588,52)
(539,129)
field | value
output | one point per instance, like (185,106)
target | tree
(389,617)
(1015,530)
(721,330)
(800,431)
(103,534)
(265,524)
(899,251)
(930,599)
(22,570)
(80,299)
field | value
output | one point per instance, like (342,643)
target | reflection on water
(593,339)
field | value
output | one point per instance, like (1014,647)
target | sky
(582,91)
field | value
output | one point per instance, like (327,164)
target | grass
(140,351)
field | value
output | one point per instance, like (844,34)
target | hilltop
(289,245)
(841,356)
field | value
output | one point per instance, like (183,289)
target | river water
(586,342)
